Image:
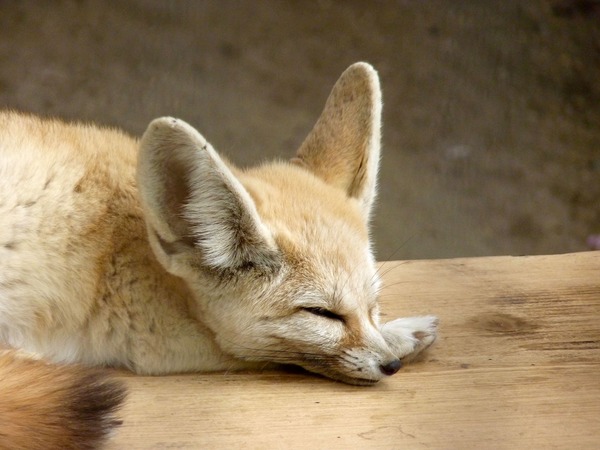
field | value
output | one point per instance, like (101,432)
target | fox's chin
(347,379)
(329,374)
(354,380)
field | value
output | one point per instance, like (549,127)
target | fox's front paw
(410,336)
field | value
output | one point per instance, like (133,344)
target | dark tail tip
(94,401)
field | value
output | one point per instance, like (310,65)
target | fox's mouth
(321,365)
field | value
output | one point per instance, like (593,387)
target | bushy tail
(46,406)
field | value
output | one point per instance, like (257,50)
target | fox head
(278,256)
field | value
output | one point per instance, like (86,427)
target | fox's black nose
(391,368)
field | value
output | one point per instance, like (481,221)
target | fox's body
(160,257)
(78,280)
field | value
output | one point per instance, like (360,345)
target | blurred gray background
(491,137)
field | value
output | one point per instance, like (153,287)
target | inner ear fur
(344,145)
(194,204)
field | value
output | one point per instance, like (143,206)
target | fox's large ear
(343,147)
(194,205)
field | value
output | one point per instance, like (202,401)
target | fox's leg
(409,336)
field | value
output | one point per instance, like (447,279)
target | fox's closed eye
(323,312)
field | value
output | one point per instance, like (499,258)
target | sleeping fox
(160,256)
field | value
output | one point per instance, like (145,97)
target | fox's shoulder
(38,146)
(39,134)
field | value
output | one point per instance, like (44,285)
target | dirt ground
(491,138)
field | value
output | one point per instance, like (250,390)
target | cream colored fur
(161,257)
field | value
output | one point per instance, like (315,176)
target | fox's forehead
(290,199)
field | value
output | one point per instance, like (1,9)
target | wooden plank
(517,365)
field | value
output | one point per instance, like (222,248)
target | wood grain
(517,365)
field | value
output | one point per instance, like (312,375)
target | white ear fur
(193,203)
(343,146)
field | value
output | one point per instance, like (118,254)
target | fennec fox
(161,257)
